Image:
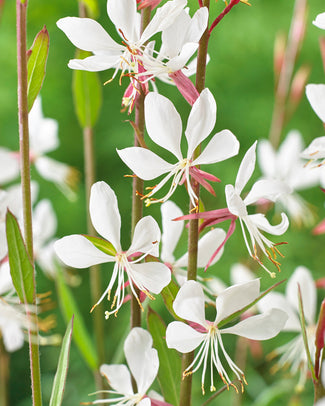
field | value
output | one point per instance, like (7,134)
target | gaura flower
(316,96)
(315,152)
(143,363)
(81,251)
(293,354)
(320,21)
(207,336)
(164,126)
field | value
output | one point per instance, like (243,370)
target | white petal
(246,168)
(13,336)
(9,166)
(261,327)
(320,21)
(303,277)
(201,120)
(239,273)
(5,278)
(316,97)
(144,163)
(262,223)
(141,358)
(179,61)
(316,149)
(171,230)
(118,377)
(95,63)
(174,37)
(189,303)
(52,170)
(266,159)
(223,145)
(145,402)
(153,276)
(235,298)
(288,154)
(104,213)
(146,237)
(164,124)
(76,251)
(182,337)
(198,25)
(44,221)
(235,203)
(267,189)
(123,13)
(3,241)
(88,34)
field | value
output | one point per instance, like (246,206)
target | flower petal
(9,166)
(288,154)
(239,273)
(223,145)
(201,120)
(104,213)
(179,61)
(118,377)
(246,168)
(123,14)
(235,298)
(146,237)
(76,251)
(316,97)
(189,303)
(164,124)
(44,222)
(320,21)
(266,158)
(198,25)
(152,276)
(13,336)
(315,150)
(174,37)
(235,203)
(5,278)
(262,223)
(182,337)
(171,230)
(95,63)
(266,189)
(261,327)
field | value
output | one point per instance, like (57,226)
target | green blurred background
(240,75)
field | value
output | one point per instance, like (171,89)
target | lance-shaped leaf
(91,7)
(36,66)
(87,94)
(21,268)
(80,335)
(62,369)
(169,361)
(168,294)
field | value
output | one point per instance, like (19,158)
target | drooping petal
(303,277)
(151,276)
(144,163)
(88,34)
(262,223)
(320,21)
(76,251)
(266,189)
(261,327)
(44,221)
(189,303)
(201,120)
(123,14)
(95,63)
(235,203)
(104,213)
(235,298)
(171,230)
(164,124)
(141,358)
(182,337)
(146,237)
(315,150)
(223,145)
(118,377)
(316,96)
(246,168)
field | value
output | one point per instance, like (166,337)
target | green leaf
(102,244)
(36,66)
(80,335)
(92,8)
(169,294)
(87,94)
(170,368)
(21,267)
(62,369)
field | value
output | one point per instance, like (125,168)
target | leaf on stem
(36,66)
(21,267)
(62,369)
(169,294)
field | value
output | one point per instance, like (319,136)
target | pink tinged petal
(171,230)
(261,327)
(118,377)
(267,189)
(104,213)
(150,276)
(316,97)
(76,251)
(303,277)
(201,120)
(262,223)
(144,163)
(235,298)
(9,166)
(223,145)
(320,21)
(182,337)
(185,86)
(141,358)
(266,158)
(316,149)
(146,237)
(95,63)
(13,336)
(123,14)
(190,303)
(235,203)
(246,168)
(88,34)
(164,124)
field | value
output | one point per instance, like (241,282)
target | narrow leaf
(80,334)
(102,244)
(169,294)
(92,8)
(170,369)
(21,268)
(36,66)
(62,369)
(87,94)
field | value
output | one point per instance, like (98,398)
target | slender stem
(4,375)
(21,7)
(221,15)
(216,394)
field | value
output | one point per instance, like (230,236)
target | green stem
(21,7)
(4,375)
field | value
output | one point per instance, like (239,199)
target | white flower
(262,189)
(190,305)
(293,353)
(315,151)
(320,21)
(286,166)
(79,251)
(164,126)
(316,97)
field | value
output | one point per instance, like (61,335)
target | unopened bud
(298,85)
(148,3)
(322,50)
(279,53)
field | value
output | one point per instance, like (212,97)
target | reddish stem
(221,15)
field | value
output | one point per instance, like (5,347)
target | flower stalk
(4,375)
